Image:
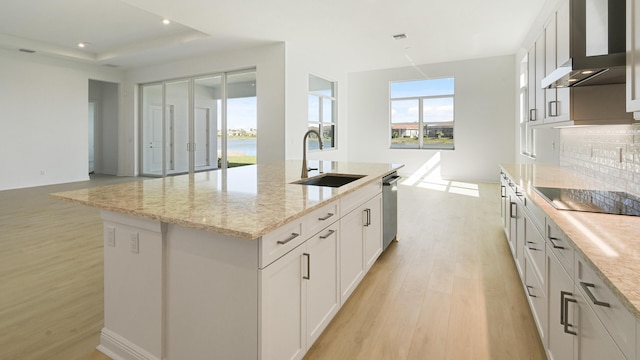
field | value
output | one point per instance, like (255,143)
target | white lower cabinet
(536,294)
(593,342)
(560,311)
(360,244)
(300,292)
(282,295)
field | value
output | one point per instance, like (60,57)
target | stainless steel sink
(331,180)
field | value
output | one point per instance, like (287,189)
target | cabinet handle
(532,115)
(327,234)
(551,238)
(566,324)
(326,217)
(368,213)
(503,191)
(593,299)
(531,248)
(293,236)
(529,292)
(553,105)
(308,266)
(512,212)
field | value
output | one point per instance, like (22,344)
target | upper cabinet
(579,66)
(633,56)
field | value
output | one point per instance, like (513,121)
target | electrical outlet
(111,236)
(134,243)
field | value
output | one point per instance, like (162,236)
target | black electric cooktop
(598,201)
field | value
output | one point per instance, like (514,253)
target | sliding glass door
(198,124)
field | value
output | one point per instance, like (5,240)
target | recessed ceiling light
(83,44)
(166,21)
(400,36)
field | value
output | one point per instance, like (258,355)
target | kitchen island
(235,264)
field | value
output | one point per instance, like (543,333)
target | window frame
(322,99)
(421,116)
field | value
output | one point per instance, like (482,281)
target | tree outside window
(322,111)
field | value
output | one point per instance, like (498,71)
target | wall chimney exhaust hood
(597,45)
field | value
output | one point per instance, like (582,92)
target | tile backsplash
(610,154)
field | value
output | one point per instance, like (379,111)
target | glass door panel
(152,130)
(206,122)
(177,145)
(242,119)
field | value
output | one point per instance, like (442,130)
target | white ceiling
(129,33)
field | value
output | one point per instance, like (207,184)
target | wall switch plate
(134,243)
(111,236)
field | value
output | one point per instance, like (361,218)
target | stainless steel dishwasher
(389,208)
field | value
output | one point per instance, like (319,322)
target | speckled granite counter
(246,202)
(611,243)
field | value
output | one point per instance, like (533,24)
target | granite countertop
(609,242)
(245,202)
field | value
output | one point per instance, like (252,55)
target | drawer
(537,299)
(536,251)
(561,246)
(536,214)
(281,241)
(321,218)
(618,321)
(355,199)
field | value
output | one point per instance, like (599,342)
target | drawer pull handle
(512,213)
(368,214)
(551,238)
(593,299)
(530,247)
(293,236)
(566,313)
(529,292)
(327,234)
(326,217)
(503,191)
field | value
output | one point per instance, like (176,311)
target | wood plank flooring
(448,290)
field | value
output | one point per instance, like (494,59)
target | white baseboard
(118,348)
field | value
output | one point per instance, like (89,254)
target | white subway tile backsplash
(606,153)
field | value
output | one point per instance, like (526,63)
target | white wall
(269,62)
(43,112)
(484,122)
(300,62)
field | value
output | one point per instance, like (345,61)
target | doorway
(103,128)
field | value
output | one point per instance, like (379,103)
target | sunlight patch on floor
(428,177)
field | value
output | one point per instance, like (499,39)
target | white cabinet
(593,341)
(360,243)
(322,293)
(372,236)
(557,101)
(561,311)
(633,56)
(536,294)
(282,295)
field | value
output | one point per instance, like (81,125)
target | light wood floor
(447,290)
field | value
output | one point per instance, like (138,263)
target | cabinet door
(540,74)
(633,56)
(537,299)
(322,293)
(513,222)
(533,114)
(351,252)
(594,342)
(372,231)
(520,237)
(563,33)
(281,304)
(550,45)
(560,310)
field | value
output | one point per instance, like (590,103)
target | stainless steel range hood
(597,45)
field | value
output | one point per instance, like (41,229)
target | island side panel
(133,287)
(212,295)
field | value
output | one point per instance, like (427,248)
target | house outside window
(322,112)
(422,114)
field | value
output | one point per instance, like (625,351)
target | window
(422,114)
(322,112)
